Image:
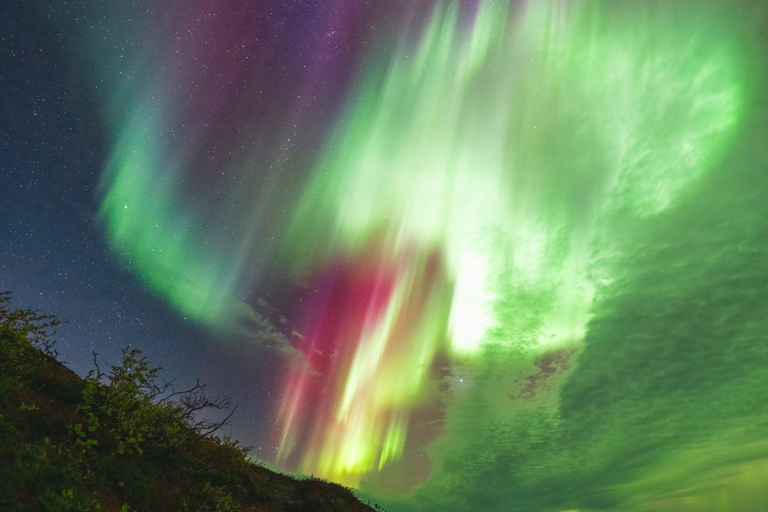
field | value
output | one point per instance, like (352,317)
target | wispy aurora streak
(156,242)
(206,143)
(461,208)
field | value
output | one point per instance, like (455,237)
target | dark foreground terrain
(120,439)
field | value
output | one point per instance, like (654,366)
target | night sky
(460,255)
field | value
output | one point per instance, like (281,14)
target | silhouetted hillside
(122,440)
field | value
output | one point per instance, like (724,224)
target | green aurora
(593,175)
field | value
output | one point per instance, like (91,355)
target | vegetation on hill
(120,439)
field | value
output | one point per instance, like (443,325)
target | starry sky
(459,255)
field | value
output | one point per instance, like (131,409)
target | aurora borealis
(480,255)
(472,186)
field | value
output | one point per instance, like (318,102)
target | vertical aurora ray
(369,341)
(513,151)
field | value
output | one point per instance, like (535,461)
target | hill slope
(121,440)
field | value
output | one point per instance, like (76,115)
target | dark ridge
(119,440)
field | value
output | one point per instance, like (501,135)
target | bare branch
(194,388)
(210,430)
(99,373)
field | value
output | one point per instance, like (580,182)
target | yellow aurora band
(508,149)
